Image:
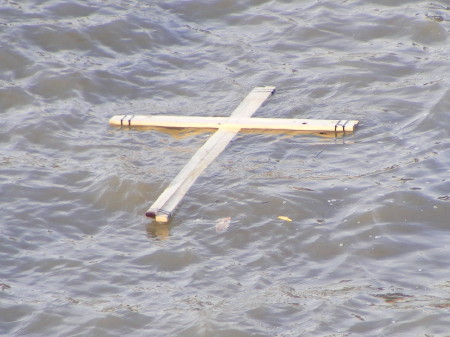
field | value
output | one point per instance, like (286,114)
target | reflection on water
(158,230)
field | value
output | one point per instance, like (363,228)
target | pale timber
(233,123)
(163,207)
(227,128)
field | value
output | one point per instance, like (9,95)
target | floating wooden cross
(228,127)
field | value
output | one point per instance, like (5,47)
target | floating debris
(284,218)
(302,189)
(222,224)
(437,18)
(4,286)
(393,297)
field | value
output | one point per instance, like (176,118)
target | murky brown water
(366,252)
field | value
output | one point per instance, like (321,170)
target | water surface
(366,251)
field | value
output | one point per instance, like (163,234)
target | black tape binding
(340,123)
(126,118)
(169,214)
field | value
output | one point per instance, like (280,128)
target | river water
(366,250)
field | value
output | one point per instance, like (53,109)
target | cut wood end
(116,120)
(267,88)
(351,125)
(158,216)
(162,218)
(121,120)
(150,214)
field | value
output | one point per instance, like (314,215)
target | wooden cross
(227,128)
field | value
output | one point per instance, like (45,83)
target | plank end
(116,120)
(267,88)
(159,215)
(150,214)
(351,126)
(121,120)
(162,218)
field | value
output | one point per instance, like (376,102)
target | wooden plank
(163,207)
(242,123)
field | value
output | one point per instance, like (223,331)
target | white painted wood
(163,207)
(242,123)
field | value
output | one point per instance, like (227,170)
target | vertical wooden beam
(163,207)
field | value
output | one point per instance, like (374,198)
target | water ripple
(366,248)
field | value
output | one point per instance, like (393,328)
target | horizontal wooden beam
(235,122)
